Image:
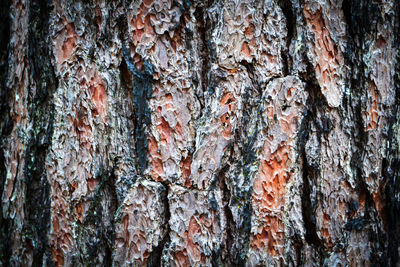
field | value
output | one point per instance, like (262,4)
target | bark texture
(199,133)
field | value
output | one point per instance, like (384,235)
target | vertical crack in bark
(142,88)
(204,53)
(5,125)
(226,196)
(155,258)
(239,193)
(142,91)
(391,163)
(41,110)
(316,103)
(391,170)
(361,20)
(308,208)
(98,230)
(290,15)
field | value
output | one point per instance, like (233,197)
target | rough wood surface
(199,133)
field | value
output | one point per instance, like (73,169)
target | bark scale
(199,133)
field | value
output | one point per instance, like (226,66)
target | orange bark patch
(226,122)
(245,50)
(186,170)
(141,23)
(165,130)
(327,55)
(79,212)
(58,257)
(269,190)
(182,259)
(191,247)
(137,60)
(125,223)
(98,95)
(66,43)
(249,32)
(270,113)
(234,70)
(92,183)
(138,245)
(82,126)
(178,130)
(148,3)
(276,177)
(361,200)
(228,101)
(373,111)
(98,98)
(381,42)
(157,169)
(98,19)
(62,239)
(271,237)
(380,206)
(325,229)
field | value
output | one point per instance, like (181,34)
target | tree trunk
(200,133)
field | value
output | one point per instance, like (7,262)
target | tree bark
(200,133)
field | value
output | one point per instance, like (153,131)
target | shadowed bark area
(199,133)
(5,122)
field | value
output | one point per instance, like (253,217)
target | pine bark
(199,133)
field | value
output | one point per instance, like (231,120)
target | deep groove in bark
(391,164)
(155,258)
(378,222)
(5,125)
(99,236)
(361,20)
(316,103)
(201,19)
(226,196)
(290,15)
(242,195)
(308,209)
(37,204)
(142,91)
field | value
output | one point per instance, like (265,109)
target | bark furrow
(199,133)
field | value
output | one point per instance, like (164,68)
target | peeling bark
(199,133)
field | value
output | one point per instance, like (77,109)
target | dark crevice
(204,53)
(391,164)
(6,121)
(110,231)
(41,110)
(226,196)
(299,248)
(290,15)
(251,72)
(97,231)
(236,178)
(5,125)
(314,116)
(155,258)
(362,18)
(359,223)
(308,207)
(142,91)
(346,8)
(285,63)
